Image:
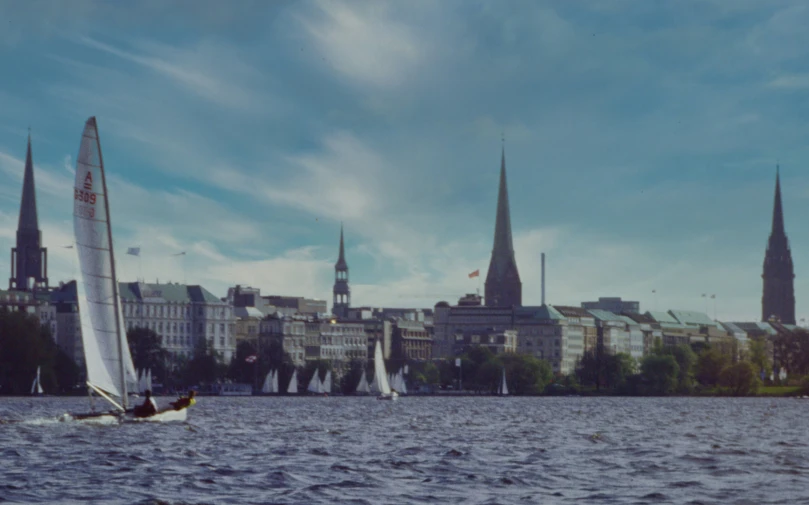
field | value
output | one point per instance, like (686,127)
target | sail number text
(84,196)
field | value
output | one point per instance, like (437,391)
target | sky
(641,140)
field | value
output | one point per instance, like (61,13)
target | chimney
(543,278)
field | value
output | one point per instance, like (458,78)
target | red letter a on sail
(88,181)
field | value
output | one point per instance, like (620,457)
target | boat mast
(124,394)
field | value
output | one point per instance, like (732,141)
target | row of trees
(674,370)
(26,345)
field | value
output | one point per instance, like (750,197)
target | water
(416,450)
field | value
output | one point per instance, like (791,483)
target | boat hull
(166,416)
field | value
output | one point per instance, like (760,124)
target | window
(221,341)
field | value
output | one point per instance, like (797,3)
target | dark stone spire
(503,287)
(342,294)
(778,299)
(341,260)
(29,260)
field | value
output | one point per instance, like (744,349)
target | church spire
(341,293)
(29,260)
(778,211)
(503,287)
(28,206)
(778,298)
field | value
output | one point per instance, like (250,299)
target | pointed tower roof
(341,260)
(503,250)
(28,204)
(777,211)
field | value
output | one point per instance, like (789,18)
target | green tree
(526,374)
(203,367)
(759,356)
(148,352)
(740,379)
(489,375)
(686,360)
(24,346)
(239,369)
(710,364)
(661,372)
(352,376)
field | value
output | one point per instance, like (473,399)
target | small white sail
(503,384)
(402,386)
(267,387)
(293,383)
(149,379)
(314,383)
(380,375)
(274,385)
(106,355)
(373,387)
(363,387)
(36,386)
(327,382)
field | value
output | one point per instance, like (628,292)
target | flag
(251,359)
(476,273)
(179,254)
(134,251)
(713,296)
(68,246)
(703,295)
(654,291)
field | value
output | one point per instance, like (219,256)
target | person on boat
(149,406)
(185,401)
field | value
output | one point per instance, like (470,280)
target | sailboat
(36,386)
(266,388)
(315,384)
(381,376)
(326,387)
(363,387)
(110,372)
(503,389)
(293,384)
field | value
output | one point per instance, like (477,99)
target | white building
(181,314)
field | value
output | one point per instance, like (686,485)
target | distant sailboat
(36,386)
(293,384)
(326,387)
(381,376)
(363,386)
(274,383)
(110,372)
(314,383)
(267,387)
(503,389)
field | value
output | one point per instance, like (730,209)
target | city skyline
(261,146)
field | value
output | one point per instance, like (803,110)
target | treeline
(678,370)
(26,345)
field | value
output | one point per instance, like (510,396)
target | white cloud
(365,43)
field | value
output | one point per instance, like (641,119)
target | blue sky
(641,141)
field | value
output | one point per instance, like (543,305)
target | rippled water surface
(416,450)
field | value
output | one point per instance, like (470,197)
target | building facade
(307,338)
(613,304)
(182,315)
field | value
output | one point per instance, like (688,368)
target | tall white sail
(503,384)
(327,382)
(149,379)
(314,383)
(362,386)
(274,385)
(106,354)
(380,376)
(373,387)
(293,383)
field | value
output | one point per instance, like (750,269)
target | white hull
(393,396)
(167,416)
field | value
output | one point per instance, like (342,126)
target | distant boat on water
(36,386)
